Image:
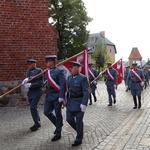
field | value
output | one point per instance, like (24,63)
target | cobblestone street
(118,127)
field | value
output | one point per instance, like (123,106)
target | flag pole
(60,63)
(18,86)
(100,74)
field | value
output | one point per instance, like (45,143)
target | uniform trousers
(111,92)
(56,119)
(34,110)
(75,119)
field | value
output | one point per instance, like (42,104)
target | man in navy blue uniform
(55,94)
(126,72)
(111,82)
(146,76)
(35,91)
(77,99)
(92,75)
(136,79)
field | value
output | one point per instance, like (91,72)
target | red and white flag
(82,58)
(118,66)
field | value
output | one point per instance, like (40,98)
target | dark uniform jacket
(135,84)
(59,78)
(78,92)
(108,80)
(126,72)
(36,84)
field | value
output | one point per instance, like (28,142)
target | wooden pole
(100,74)
(18,86)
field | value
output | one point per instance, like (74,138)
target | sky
(125,22)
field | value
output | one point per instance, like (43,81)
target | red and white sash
(91,73)
(52,82)
(109,74)
(136,75)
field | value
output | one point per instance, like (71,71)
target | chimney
(102,33)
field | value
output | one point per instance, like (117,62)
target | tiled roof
(135,54)
(95,36)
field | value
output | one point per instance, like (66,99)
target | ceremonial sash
(136,75)
(91,73)
(109,74)
(52,82)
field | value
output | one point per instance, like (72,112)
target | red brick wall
(24,33)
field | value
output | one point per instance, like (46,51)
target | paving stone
(106,128)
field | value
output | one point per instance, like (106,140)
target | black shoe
(90,103)
(55,138)
(95,100)
(55,131)
(135,107)
(114,101)
(139,106)
(109,104)
(76,143)
(35,127)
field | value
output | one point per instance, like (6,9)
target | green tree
(69,18)
(100,55)
(148,62)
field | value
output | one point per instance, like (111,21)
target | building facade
(135,56)
(24,33)
(97,38)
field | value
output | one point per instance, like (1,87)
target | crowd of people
(75,92)
(76,99)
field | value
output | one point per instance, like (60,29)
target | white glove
(94,82)
(60,100)
(83,107)
(142,83)
(25,81)
(27,85)
(115,86)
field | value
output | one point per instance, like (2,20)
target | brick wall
(24,33)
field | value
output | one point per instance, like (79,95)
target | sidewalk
(106,128)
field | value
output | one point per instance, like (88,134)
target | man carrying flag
(111,82)
(55,94)
(92,75)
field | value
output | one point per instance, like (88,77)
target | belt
(48,88)
(76,96)
(109,80)
(37,88)
(135,81)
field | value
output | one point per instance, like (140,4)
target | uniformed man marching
(77,100)
(35,91)
(55,94)
(93,85)
(136,80)
(111,82)
(126,72)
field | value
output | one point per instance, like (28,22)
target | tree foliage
(100,55)
(69,18)
(148,62)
